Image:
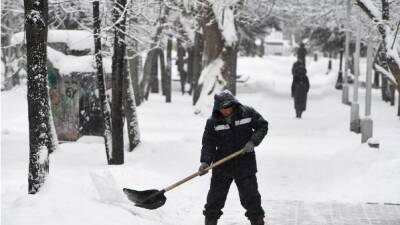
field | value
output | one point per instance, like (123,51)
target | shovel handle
(219,162)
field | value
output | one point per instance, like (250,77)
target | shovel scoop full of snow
(148,199)
(153,199)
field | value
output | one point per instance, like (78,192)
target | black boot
(210,221)
(257,221)
(297,114)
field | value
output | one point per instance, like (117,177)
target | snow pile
(66,64)
(274,75)
(75,39)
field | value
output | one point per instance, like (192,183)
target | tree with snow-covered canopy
(391,46)
(217,21)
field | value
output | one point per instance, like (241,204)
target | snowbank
(273,74)
(66,64)
(75,39)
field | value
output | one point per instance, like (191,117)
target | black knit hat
(224,99)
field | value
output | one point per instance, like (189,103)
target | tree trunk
(53,142)
(100,80)
(130,111)
(384,89)
(391,65)
(163,70)
(376,80)
(154,76)
(219,55)
(229,69)
(190,61)
(385,85)
(385,9)
(168,89)
(197,64)
(398,105)
(392,94)
(140,77)
(180,63)
(117,124)
(145,85)
(36,17)
(164,11)
(213,42)
(134,70)
(215,47)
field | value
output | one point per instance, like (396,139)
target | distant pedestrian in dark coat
(232,127)
(300,88)
(302,52)
(299,62)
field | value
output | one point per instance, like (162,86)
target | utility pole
(366,123)
(355,107)
(345,92)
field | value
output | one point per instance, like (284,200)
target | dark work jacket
(221,139)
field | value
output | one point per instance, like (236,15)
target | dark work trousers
(250,198)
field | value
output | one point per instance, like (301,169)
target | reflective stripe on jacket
(221,139)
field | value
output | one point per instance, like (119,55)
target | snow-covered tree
(105,108)
(130,110)
(220,41)
(38,99)
(70,15)
(12,20)
(390,41)
(117,123)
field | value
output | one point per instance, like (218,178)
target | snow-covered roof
(67,64)
(274,36)
(75,39)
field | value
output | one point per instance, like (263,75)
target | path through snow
(311,171)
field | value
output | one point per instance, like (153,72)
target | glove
(249,147)
(202,168)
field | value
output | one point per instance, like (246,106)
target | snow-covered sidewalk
(311,171)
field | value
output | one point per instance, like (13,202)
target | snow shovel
(153,199)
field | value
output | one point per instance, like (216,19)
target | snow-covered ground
(315,159)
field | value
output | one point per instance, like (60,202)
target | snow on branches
(223,11)
(391,44)
(212,81)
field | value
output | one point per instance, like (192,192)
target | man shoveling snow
(232,126)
